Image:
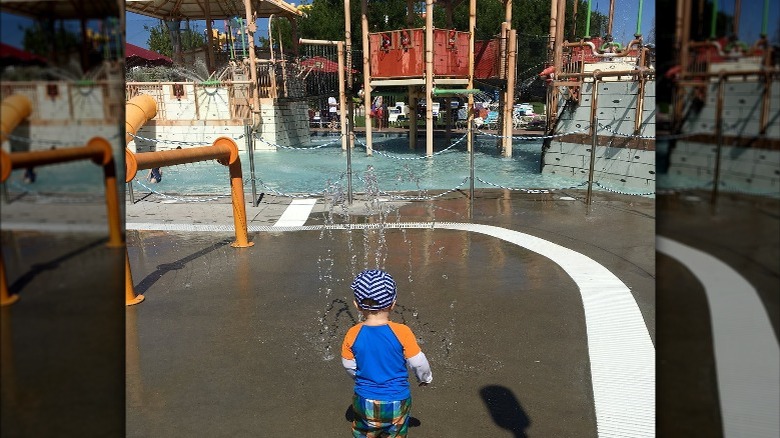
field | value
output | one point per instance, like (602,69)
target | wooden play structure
(430,63)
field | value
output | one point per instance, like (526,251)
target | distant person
(333,107)
(29,175)
(376,111)
(385,115)
(155,175)
(376,353)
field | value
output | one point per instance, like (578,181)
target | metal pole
(471,169)
(349,154)
(719,136)
(250,146)
(594,125)
(130,190)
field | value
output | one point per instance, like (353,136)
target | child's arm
(350,366)
(422,369)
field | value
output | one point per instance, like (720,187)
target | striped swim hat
(375,285)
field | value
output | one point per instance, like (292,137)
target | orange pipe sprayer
(99,151)
(138,111)
(13,110)
(225,151)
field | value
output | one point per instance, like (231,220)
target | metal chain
(418,198)
(620,134)
(50,142)
(540,137)
(386,155)
(180,199)
(179,142)
(621,193)
(530,190)
(338,139)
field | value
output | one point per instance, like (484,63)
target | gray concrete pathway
(244,342)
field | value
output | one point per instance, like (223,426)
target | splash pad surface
(279,312)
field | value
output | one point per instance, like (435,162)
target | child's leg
(380,419)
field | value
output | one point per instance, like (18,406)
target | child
(375,354)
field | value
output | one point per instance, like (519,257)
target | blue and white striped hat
(376,285)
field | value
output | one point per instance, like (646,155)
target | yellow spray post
(13,110)
(99,151)
(138,111)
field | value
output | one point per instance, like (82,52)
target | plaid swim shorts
(380,419)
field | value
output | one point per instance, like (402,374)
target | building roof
(136,56)
(218,9)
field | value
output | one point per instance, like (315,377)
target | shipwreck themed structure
(601,108)
(726,107)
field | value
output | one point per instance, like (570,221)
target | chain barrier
(178,142)
(621,193)
(50,142)
(529,190)
(337,140)
(621,134)
(74,198)
(418,198)
(290,195)
(178,198)
(540,137)
(394,157)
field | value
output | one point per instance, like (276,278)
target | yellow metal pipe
(13,110)
(138,111)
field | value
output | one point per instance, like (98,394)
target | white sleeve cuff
(422,369)
(350,366)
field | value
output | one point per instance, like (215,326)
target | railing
(62,102)
(227,100)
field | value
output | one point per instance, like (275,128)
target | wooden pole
(272,72)
(611,16)
(428,77)
(210,64)
(251,27)
(412,90)
(366,75)
(510,93)
(472,29)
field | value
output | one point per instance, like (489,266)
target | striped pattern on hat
(376,285)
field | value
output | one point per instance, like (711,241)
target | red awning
(12,55)
(138,56)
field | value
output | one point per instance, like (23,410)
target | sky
(624,21)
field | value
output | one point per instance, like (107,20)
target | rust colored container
(401,53)
(397,53)
(450,53)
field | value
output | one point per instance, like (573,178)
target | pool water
(311,169)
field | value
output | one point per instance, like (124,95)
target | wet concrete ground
(245,342)
(743,232)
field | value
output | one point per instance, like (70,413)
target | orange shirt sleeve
(406,338)
(349,339)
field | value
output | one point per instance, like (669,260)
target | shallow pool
(311,169)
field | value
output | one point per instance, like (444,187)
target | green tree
(160,39)
(45,39)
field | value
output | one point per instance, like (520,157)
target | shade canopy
(217,9)
(62,9)
(10,55)
(138,56)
